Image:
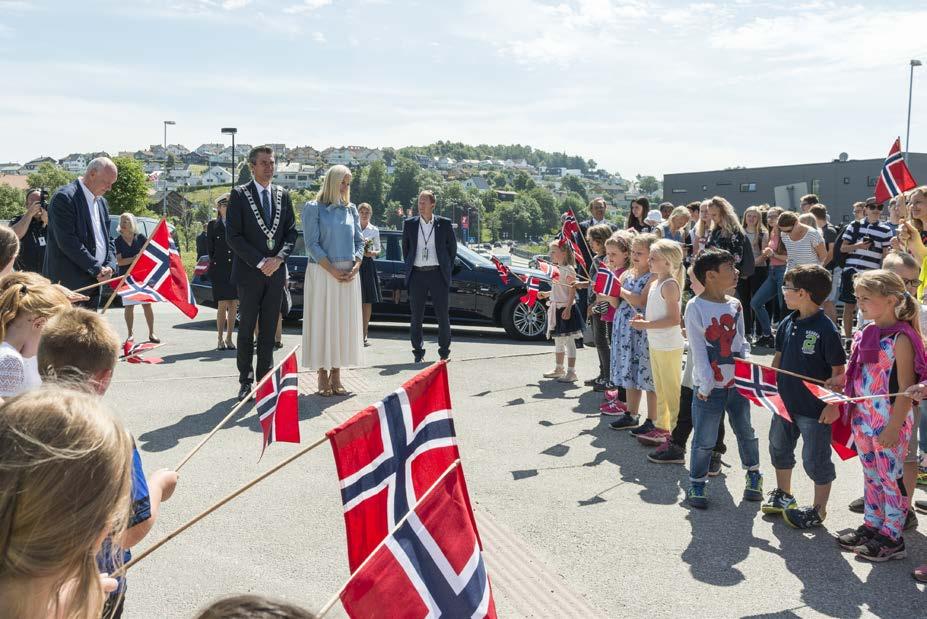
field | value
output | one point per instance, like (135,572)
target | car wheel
(523,322)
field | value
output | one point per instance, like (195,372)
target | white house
(216,175)
(368,155)
(446,163)
(570,172)
(339,156)
(295,175)
(10,168)
(75,163)
(210,149)
(32,166)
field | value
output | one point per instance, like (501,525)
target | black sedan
(478,296)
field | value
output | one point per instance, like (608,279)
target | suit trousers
(421,284)
(260,299)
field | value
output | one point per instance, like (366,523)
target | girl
(774,254)
(630,353)
(674,228)
(662,324)
(727,233)
(639,209)
(617,257)
(61,493)
(563,321)
(24,310)
(597,236)
(887,357)
(9,250)
(757,236)
(803,243)
(129,242)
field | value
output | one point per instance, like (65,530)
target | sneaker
(625,422)
(696,496)
(777,502)
(754,489)
(668,453)
(654,437)
(857,506)
(921,506)
(557,373)
(879,548)
(714,465)
(600,385)
(591,381)
(910,521)
(612,409)
(644,428)
(854,539)
(765,341)
(612,394)
(802,517)
(569,377)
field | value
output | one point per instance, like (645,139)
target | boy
(715,327)
(80,346)
(807,343)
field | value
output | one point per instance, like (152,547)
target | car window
(393,247)
(472,257)
(299,248)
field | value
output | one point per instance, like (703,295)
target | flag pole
(781,371)
(121,279)
(234,410)
(216,506)
(103,283)
(334,600)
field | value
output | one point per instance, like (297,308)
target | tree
(575,202)
(573,183)
(394,215)
(647,184)
(170,163)
(523,182)
(405,182)
(50,177)
(244,174)
(357,186)
(549,215)
(12,202)
(375,189)
(389,156)
(129,194)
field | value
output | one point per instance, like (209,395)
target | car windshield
(472,257)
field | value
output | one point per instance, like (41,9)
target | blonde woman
(370,282)
(674,228)
(757,237)
(727,233)
(701,229)
(128,244)
(332,320)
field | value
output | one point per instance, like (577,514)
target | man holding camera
(866,241)
(31,228)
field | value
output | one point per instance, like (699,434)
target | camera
(43,198)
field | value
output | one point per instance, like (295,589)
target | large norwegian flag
(895,177)
(389,454)
(158,275)
(570,231)
(277,403)
(430,566)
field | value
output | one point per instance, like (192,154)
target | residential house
(216,175)
(177,205)
(476,182)
(195,158)
(295,175)
(75,163)
(506,196)
(32,166)
(339,156)
(570,172)
(445,163)
(10,168)
(210,149)
(177,150)
(279,151)
(224,158)
(304,155)
(366,156)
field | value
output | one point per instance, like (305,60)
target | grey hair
(99,164)
(257,150)
(131,219)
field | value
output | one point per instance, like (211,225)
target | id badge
(41,241)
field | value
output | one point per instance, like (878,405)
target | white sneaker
(557,373)
(569,377)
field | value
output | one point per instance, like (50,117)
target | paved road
(575,521)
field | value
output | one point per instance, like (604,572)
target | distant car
(487,246)
(505,259)
(533,262)
(477,296)
(497,244)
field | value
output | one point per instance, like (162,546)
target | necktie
(265,203)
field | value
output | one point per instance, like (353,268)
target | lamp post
(907,137)
(231,131)
(164,200)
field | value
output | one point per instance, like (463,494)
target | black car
(146,226)
(478,296)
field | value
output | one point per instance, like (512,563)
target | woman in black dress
(224,293)
(128,244)
(370,281)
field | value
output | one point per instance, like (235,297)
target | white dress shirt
(372,232)
(98,238)
(426,240)
(260,197)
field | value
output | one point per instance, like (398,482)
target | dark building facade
(837,183)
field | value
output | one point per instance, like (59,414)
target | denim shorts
(815,451)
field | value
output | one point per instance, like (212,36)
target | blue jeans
(706,417)
(771,289)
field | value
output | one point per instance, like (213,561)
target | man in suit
(261,232)
(79,249)
(429,249)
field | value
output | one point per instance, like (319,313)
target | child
(617,256)
(664,336)
(807,343)
(9,250)
(80,346)
(630,353)
(563,322)
(597,236)
(715,328)
(886,353)
(61,493)
(24,310)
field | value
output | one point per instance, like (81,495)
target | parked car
(477,296)
(146,226)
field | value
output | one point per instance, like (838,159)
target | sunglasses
(786,230)
(874,207)
(912,283)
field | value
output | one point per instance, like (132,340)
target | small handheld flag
(826,395)
(502,269)
(758,384)
(895,176)
(606,283)
(277,404)
(531,297)
(549,270)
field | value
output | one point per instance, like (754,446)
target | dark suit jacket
(71,246)
(217,247)
(445,245)
(583,243)
(245,237)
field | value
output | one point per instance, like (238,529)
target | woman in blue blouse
(332,323)
(129,242)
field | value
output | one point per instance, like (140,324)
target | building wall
(838,184)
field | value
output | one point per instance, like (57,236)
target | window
(704,187)
(723,183)
(846,180)
(816,186)
(679,191)
(747,187)
(871,181)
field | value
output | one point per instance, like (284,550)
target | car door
(465,284)
(391,272)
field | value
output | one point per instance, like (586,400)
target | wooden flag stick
(334,600)
(876,397)
(92,286)
(127,273)
(244,402)
(781,371)
(216,506)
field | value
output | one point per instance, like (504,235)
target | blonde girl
(889,348)
(630,351)
(701,229)
(9,250)
(65,475)
(564,323)
(663,324)
(128,244)
(24,310)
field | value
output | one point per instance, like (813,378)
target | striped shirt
(802,251)
(867,259)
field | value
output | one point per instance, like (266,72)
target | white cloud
(231,5)
(318,37)
(306,6)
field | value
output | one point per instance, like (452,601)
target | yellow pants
(666,366)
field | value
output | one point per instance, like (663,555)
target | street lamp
(907,137)
(231,131)
(164,171)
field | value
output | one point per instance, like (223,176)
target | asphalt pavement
(575,521)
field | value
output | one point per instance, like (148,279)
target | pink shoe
(654,437)
(611,394)
(615,408)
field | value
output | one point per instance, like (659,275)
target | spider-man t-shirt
(716,337)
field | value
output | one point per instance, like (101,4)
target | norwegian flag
(430,566)
(389,454)
(826,395)
(549,270)
(277,407)
(531,297)
(758,384)
(895,177)
(503,270)
(841,433)
(201,268)
(158,275)
(606,283)
(570,225)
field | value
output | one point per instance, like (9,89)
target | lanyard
(422,233)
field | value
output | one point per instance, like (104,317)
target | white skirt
(333,328)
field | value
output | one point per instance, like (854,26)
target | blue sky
(641,86)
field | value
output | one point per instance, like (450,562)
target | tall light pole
(231,131)
(164,171)
(907,137)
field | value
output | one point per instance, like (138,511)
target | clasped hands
(345,275)
(271,265)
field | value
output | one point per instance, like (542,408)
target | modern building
(838,183)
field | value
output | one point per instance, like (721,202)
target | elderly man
(79,250)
